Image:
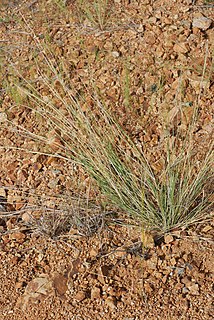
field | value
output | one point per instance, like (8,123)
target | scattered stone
(37,289)
(60,284)
(168,238)
(3,117)
(5,238)
(206,229)
(14,260)
(111,302)
(115,54)
(26,217)
(147,287)
(147,240)
(3,195)
(185,290)
(152,263)
(141,28)
(201,23)
(173,261)
(80,296)
(17,236)
(186,281)
(95,293)
(160,291)
(19,285)
(194,289)
(150,38)
(158,275)
(181,48)
(93,252)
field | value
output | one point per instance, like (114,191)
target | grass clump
(177,196)
(96,11)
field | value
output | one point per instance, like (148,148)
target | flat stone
(181,48)
(201,23)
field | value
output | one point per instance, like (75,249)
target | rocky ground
(149,60)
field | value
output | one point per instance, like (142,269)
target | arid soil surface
(149,60)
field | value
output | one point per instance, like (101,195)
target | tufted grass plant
(85,133)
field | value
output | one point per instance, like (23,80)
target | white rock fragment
(3,117)
(115,54)
(201,23)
